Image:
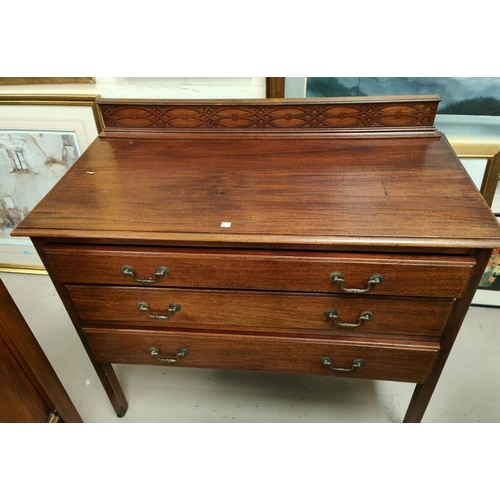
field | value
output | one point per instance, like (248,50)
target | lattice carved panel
(261,116)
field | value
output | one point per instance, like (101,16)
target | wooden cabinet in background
(30,391)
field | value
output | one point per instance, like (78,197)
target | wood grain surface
(323,193)
(410,275)
(30,388)
(251,206)
(261,311)
(398,360)
(308,115)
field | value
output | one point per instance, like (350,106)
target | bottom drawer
(398,361)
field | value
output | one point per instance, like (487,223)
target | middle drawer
(259,311)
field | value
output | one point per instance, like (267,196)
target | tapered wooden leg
(418,404)
(113,388)
(423,392)
(108,379)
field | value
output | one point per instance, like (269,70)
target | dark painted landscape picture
(460,96)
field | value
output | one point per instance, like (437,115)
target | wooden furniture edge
(255,115)
(275,87)
(105,372)
(389,99)
(33,360)
(239,240)
(423,392)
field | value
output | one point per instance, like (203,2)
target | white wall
(155,87)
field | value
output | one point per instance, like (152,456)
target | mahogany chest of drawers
(328,237)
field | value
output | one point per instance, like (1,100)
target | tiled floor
(469,389)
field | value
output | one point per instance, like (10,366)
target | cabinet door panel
(19,401)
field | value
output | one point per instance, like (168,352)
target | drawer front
(411,275)
(266,311)
(405,362)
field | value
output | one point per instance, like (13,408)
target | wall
(154,87)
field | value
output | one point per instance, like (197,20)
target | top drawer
(330,272)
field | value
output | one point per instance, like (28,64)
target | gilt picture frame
(482,162)
(487,171)
(42,80)
(41,136)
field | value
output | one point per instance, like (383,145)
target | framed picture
(469,111)
(40,139)
(488,292)
(482,162)
(37,80)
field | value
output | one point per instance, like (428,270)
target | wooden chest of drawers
(289,236)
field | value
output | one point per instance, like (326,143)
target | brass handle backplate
(357,363)
(364,316)
(172,308)
(154,351)
(375,279)
(160,271)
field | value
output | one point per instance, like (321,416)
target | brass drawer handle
(364,316)
(172,308)
(154,351)
(375,279)
(357,363)
(160,271)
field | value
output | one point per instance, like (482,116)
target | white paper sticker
(225,224)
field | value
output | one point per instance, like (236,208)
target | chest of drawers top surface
(300,190)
